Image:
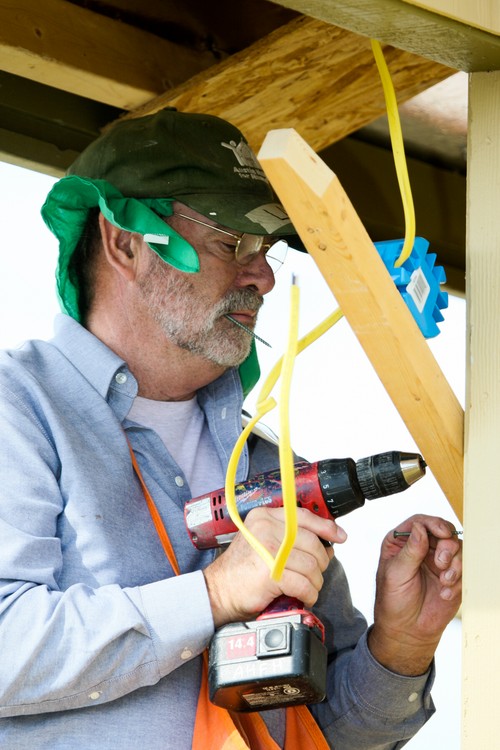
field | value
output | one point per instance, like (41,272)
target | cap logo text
(248,167)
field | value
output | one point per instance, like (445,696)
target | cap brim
(294,241)
(243,213)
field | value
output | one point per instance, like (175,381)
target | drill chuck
(388,473)
(345,484)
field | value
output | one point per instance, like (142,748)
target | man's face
(191,308)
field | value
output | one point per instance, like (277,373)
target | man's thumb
(416,547)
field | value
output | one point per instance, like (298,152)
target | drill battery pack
(265,664)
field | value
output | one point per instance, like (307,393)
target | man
(164,226)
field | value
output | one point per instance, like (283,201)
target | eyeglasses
(246,247)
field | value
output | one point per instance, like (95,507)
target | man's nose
(257,273)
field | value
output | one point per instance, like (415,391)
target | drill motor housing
(329,488)
(208,521)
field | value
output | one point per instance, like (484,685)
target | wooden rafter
(309,75)
(484,15)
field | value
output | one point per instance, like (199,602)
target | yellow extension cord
(284,366)
(265,403)
(398,151)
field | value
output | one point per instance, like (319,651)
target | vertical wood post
(481,601)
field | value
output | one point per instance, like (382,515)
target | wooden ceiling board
(259,64)
(223,27)
(406,26)
(73,49)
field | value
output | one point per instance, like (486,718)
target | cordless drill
(280,658)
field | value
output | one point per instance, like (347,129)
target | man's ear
(119,248)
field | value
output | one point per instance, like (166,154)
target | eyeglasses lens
(276,255)
(250,245)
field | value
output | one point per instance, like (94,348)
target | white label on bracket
(418,288)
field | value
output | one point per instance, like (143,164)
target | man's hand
(419,586)
(239,583)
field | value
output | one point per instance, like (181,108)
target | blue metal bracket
(418,279)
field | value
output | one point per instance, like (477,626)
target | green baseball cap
(136,169)
(200,160)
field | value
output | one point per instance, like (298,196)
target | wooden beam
(309,75)
(60,44)
(481,599)
(484,15)
(412,28)
(44,128)
(335,237)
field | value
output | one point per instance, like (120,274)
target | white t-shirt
(183,429)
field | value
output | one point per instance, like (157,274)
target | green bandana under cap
(66,210)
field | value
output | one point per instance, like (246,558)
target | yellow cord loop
(287,468)
(398,152)
(263,406)
(232,466)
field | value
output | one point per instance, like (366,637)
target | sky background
(338,406)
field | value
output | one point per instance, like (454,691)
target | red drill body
(328,488)
(207,518)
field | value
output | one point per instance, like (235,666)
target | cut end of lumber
(287,145)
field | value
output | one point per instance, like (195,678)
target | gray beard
(187,321)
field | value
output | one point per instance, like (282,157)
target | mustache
(240,299)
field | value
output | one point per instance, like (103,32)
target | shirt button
(186,653)
(223,412)
(179,481)
(412,697)
(120,378)
(94,696)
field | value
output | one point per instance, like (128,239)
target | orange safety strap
(215,727)
(159,526)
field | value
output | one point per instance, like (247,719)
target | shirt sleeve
(367,706)
(65,649)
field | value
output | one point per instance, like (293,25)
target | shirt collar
(109,375)
(98,364)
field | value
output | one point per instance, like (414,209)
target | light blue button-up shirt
(99,641)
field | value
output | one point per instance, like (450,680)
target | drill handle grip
(286,606)
(282,604)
